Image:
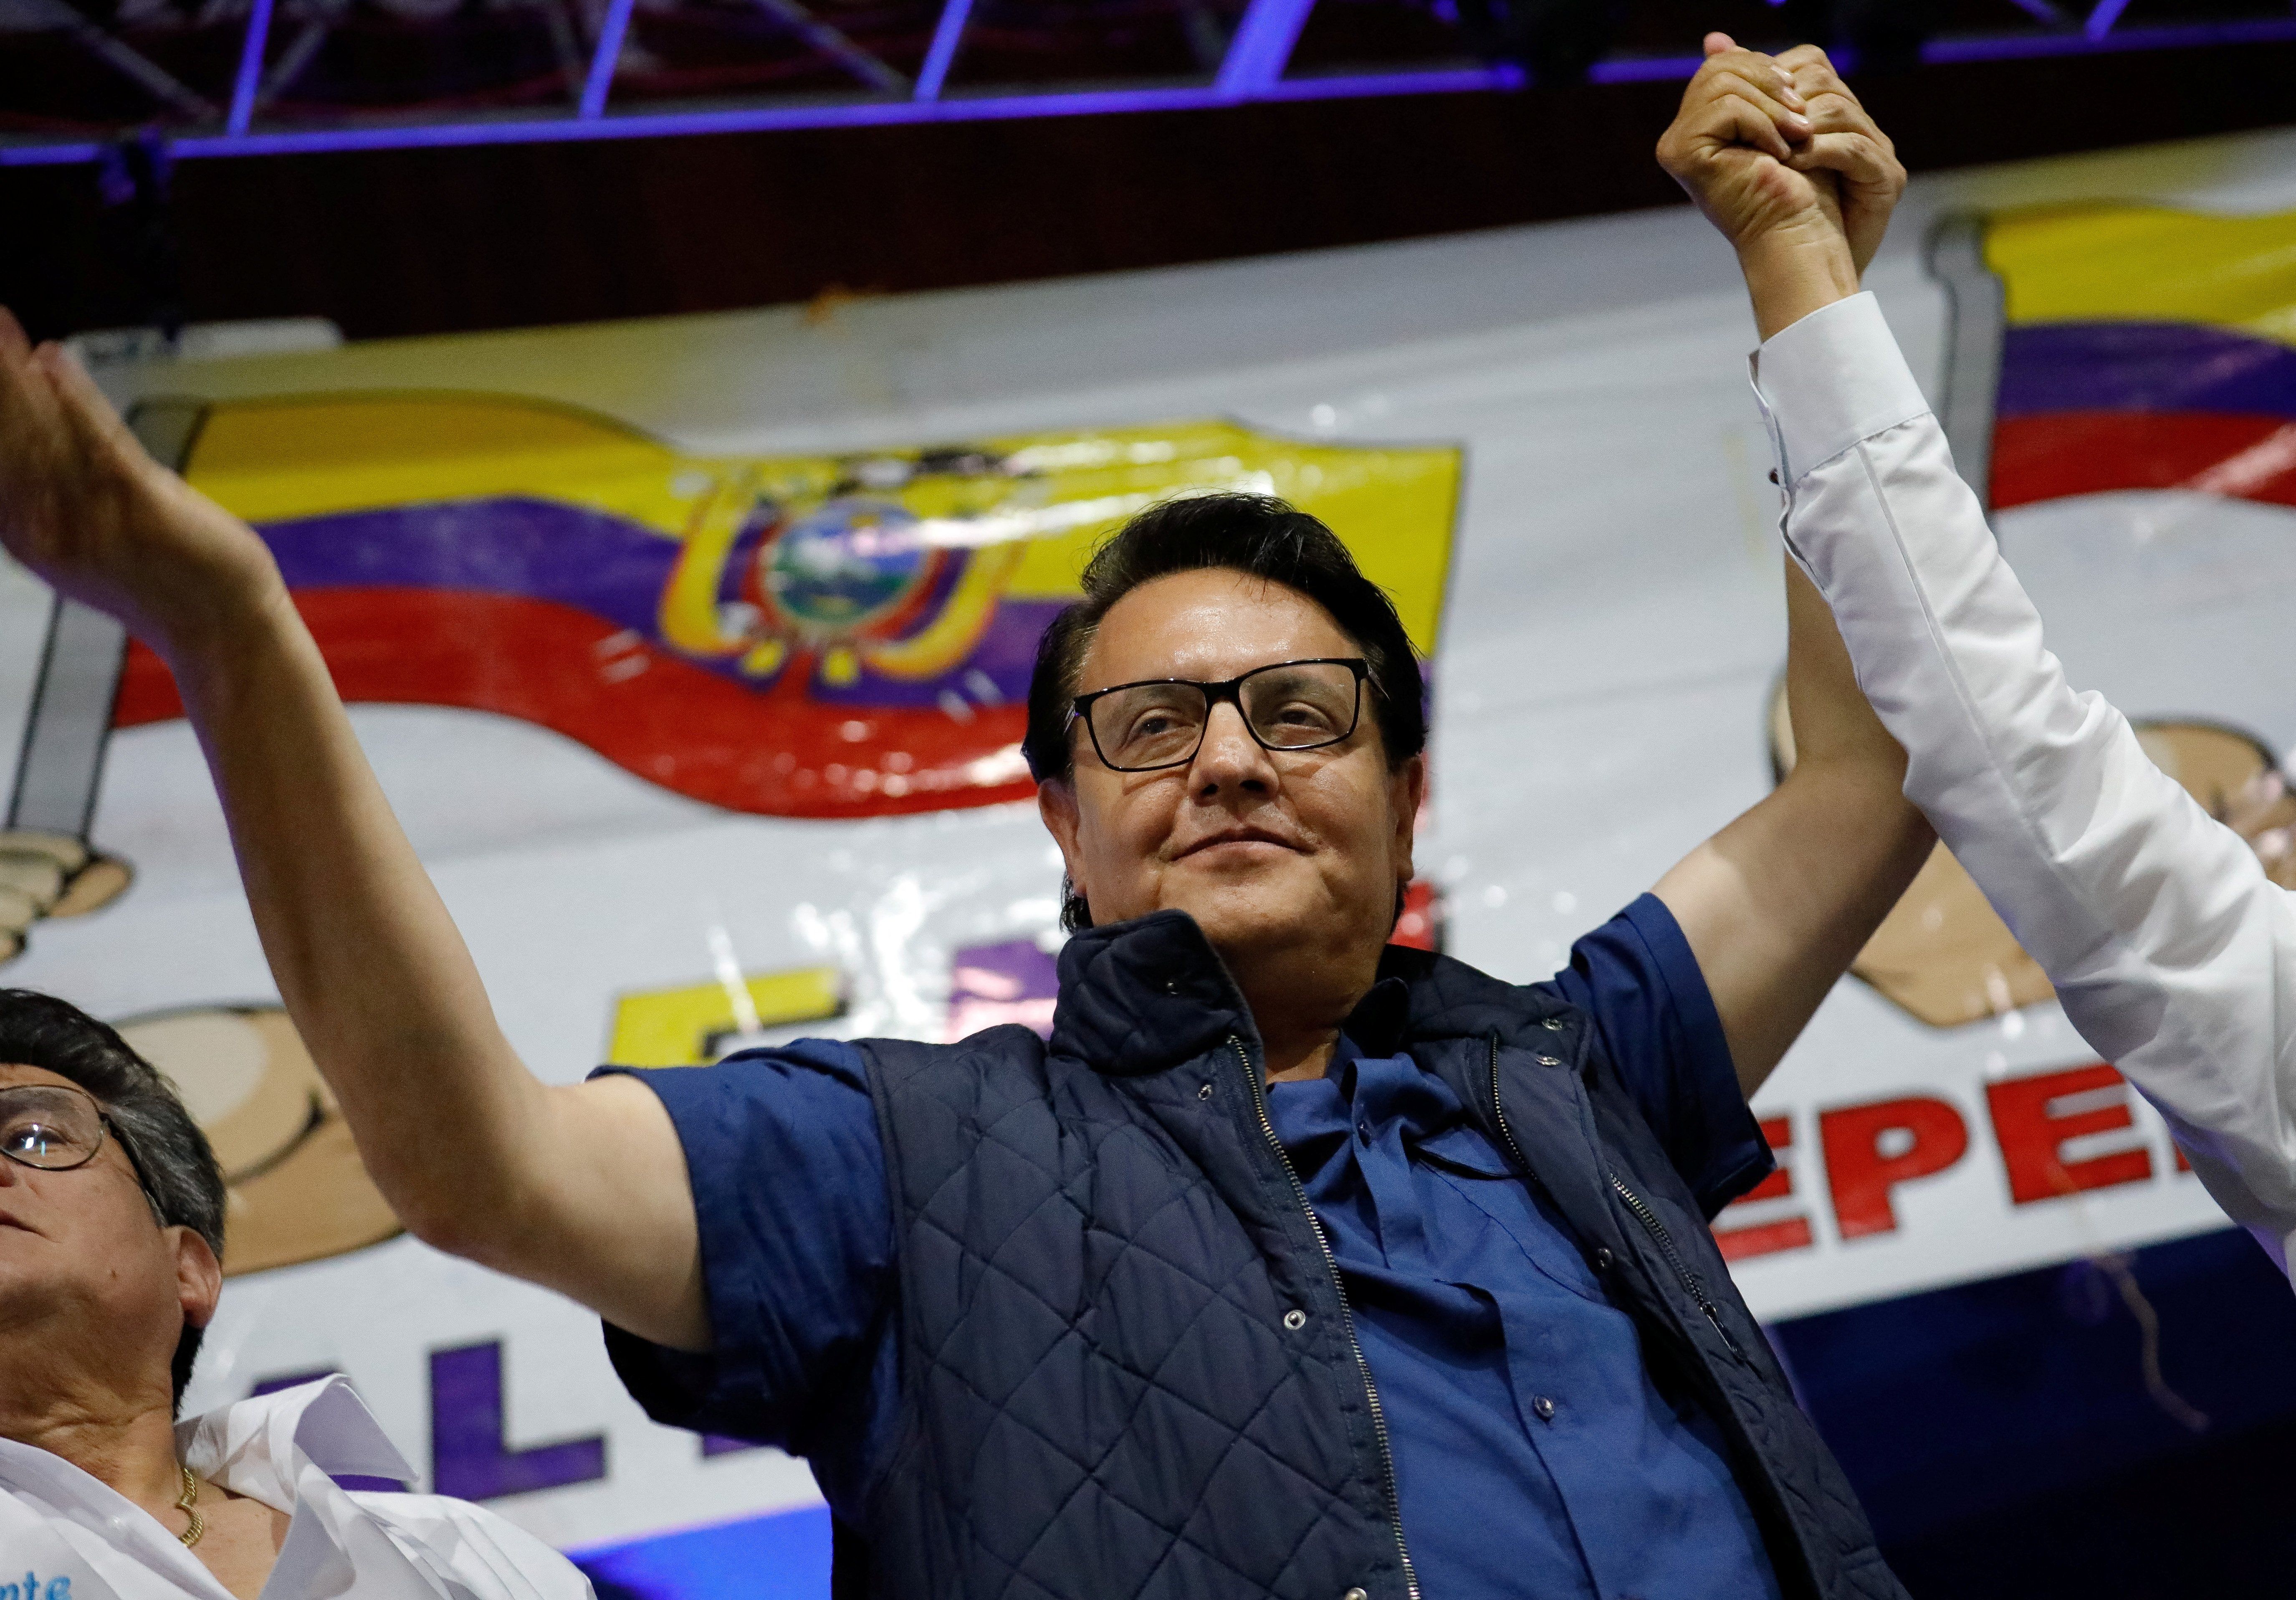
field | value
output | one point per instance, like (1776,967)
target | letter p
(1871,1149)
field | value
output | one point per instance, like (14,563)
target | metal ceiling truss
(1252,69)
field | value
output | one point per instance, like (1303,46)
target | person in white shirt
(2172,950)
(112,1212)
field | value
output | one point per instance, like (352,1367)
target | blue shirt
(1533,1445)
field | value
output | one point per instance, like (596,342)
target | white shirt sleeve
(471,1552)
(2171,951)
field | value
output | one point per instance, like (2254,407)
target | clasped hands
(1783,159)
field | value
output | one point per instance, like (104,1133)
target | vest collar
(1145,995)
(1142,996)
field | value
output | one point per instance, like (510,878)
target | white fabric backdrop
(1612,629)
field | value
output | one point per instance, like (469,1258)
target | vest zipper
(1691,1280)
(1638,1208)
(1346,1316)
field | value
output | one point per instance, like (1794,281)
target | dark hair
(171,1156)
(1255,533)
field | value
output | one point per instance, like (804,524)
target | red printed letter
(1766,1238)
(1861,1177)
(2033,1139)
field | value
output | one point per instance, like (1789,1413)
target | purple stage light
(926,104)
(249,79)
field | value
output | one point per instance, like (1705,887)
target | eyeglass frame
(104,1125)
(1227,692)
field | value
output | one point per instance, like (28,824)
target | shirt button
(1204,1093)
(1546,1061)
(1545,1407)
(1354,1595)
(1364,1129)
(1553,1024)
(1603,1260)
(1295,1319)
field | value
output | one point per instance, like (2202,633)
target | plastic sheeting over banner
(691,655)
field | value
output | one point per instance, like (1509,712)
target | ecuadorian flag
(2146,348)
(797,637)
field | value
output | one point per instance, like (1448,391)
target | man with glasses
(1292,1263)
(112,1212)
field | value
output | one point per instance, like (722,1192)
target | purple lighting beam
(243,87)
(1251,71)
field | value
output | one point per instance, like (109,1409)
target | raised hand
(1846,143)
(1785,162)
(1731,147)
(83,504)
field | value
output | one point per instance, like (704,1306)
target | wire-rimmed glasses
(57,1127)
(51,1126)
(1149,725)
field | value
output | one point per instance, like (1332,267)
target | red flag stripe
(2066,453)
(774,750)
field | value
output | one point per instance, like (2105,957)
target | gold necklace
(184,1502)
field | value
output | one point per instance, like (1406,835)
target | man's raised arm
(1778,903)
(2172,952)
(582,1189)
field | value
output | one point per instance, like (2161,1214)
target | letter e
(2033,1135)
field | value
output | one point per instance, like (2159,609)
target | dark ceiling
(418,241)
(83,67)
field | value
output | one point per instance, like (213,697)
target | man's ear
(199,1277)
(1407,788)
(1056,803)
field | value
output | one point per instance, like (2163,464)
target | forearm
(368,961)
(1778,905)
(581,1188)
(2168,948)
(1793,272)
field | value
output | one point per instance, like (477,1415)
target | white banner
(1603,604)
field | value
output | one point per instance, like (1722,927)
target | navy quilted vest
(1127,1368)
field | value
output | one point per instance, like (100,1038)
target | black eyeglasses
(1159,722)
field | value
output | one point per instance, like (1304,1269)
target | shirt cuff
(1831,379)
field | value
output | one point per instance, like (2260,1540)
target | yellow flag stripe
(2148,264)
(1058,496)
